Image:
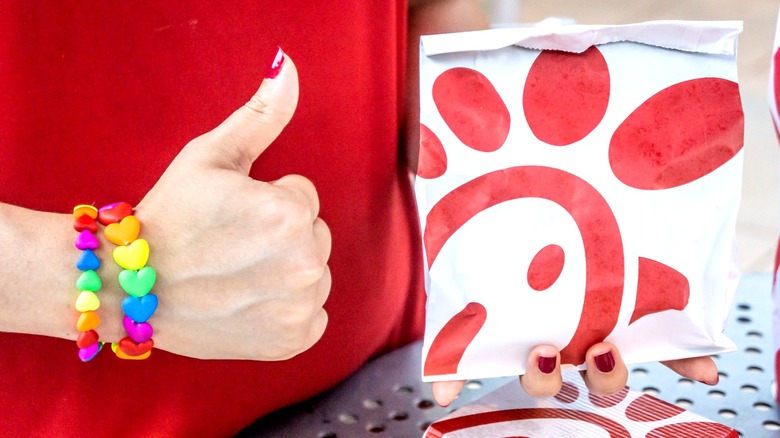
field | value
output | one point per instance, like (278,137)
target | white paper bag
(578,184)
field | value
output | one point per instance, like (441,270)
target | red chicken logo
(678,135)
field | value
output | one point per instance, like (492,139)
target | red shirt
(97,98)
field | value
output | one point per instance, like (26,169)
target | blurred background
(759,218)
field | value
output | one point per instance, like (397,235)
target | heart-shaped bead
(138,283)
(113,213)
(89,353)
(84,209)
(86,240)
(124,232)
(87,301)
(87,261)
(87,338)
(88,280)
(140,309)
(85,222)
(132,348)
(133,256)
(87,321)
(120,354)
(137,331)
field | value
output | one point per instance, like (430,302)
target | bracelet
(136,279)
(88,282)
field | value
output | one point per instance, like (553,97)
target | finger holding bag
(576,194)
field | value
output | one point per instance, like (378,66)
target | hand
(241,263)
(605,373)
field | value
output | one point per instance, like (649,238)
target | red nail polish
(605,362)
(711,382)
(276,65)
(546,364)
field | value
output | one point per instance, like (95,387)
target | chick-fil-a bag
(578,184)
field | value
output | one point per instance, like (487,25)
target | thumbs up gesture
(242,263)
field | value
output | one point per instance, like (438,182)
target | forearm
(431,17)
(38,274)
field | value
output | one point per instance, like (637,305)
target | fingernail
(711,382)
(546,364)
(605,362)
(276,65)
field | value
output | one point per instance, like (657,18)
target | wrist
(38,276)
(33,263)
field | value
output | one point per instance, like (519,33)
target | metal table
(386,398)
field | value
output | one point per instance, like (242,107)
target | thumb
(244,135)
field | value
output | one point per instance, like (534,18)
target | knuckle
(298,182)
(260,109)
(300,213)
(295,344)
(310,268)
(302,190)
(302,183)
(323,236)
(257,105)
(298,319)
(297,333)
(288,343)
(286,215)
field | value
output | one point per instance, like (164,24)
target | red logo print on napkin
(624,414)
(677,136)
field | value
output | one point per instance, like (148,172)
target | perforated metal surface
(743,397)
(386,398)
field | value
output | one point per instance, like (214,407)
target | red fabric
(98,97)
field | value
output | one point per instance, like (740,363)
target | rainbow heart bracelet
(88,282)
(136,279)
